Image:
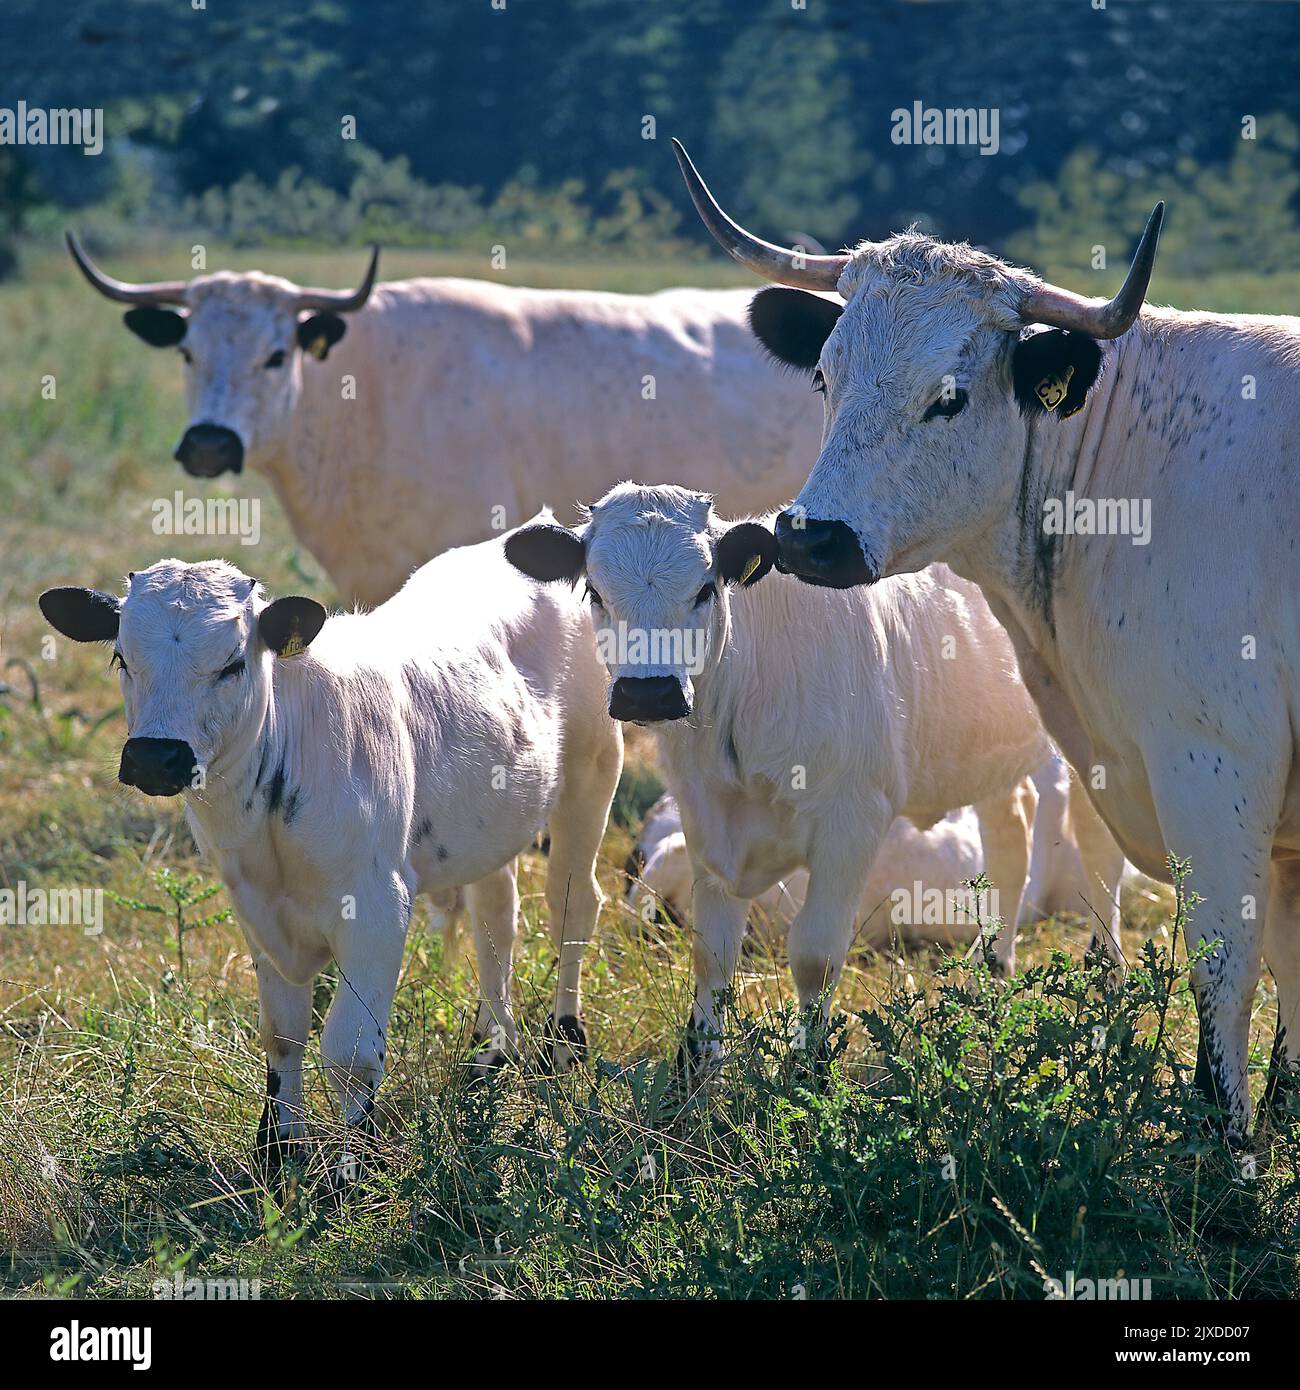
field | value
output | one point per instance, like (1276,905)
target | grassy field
(975,1139)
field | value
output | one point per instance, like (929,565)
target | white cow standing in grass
(1166,665)
(941,858)
(781,757)
(334,767)
(400,419)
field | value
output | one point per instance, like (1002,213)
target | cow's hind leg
(1282,953)
(1006,834)
(284,1020)
(573,896)
(493,908)
(354,1041)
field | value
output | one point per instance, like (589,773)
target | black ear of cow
(793,325)
(319,333)
(289,625)
(547,552)
(745,553)
(85,615)
(1054,371)
(158,327)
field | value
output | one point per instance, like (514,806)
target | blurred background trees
(476,123)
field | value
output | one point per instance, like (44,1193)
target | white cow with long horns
(1124,489)
(400,419)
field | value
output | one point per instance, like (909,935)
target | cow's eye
(705,594)
(819,381)
(594,596)
(236,668)
(188,356)
(276,359)
(116,661)
(947,405)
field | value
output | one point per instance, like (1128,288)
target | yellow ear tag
(1052,390)
(750,568)
(295,646)
(318,347)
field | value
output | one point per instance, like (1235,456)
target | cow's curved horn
(772,262)
(1064,309)
(342,301)
(161,292)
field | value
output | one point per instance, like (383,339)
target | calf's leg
(717,930)
(493,908)
(573,897)
(368,951)
(1103,865)
(284,1020)
(1006,834)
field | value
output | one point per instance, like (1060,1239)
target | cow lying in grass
(334,767)
(940,859)
(794,724)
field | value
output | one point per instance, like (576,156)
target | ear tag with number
(750,567)
(295,646)
(318,347)
(1052,390)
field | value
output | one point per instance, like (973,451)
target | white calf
(334,767)
(780,757)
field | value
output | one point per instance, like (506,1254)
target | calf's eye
(947,406)
(705,595)
(819,381)
(276,359)
(235,668)
(594,596)
(116,661)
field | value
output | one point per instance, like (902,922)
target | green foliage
(181,894)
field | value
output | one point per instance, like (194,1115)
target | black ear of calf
(546,552)
(85,615)
(319,333)
(745,553)
(793,325)
(290,625)
(1054,371)
(157,327)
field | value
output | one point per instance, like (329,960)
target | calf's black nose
(821,552)
(207,450)
(647,699)
(158,766)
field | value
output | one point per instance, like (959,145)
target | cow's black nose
(821,552)
(207,450)
(158,766)
(647,699)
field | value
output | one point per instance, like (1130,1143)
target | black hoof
(278,1158)
(565,1033)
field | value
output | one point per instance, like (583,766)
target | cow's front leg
(1282,953)
(1221,833)
(493,907)
(284,1020)
(1006,835)
(717,930)
(368,952)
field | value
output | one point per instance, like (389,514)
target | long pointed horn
(342,301)
(161,292)
(1065,309)
(771,262)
